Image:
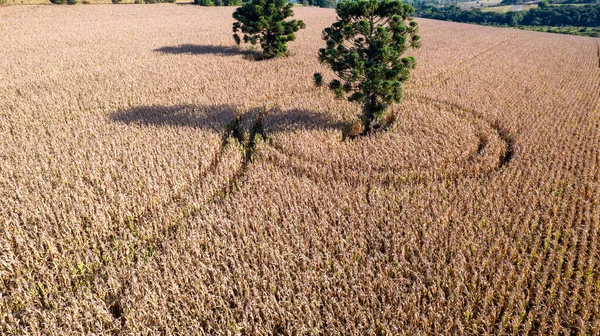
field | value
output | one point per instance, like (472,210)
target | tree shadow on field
(216,117)
(279,121)
(205,117)
(201,49)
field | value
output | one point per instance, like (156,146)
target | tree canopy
(364,48)
(264,22)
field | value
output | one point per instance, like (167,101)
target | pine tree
(364,49)
(264,21)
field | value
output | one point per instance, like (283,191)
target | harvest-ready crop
(154,182)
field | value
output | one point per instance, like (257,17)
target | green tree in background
(218,2)
(264,21)
(320,3)
(364,49)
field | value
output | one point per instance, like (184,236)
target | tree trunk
(368,112)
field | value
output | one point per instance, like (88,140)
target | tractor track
(445,75)
(306,166)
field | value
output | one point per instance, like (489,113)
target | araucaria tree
(264,21)
(365,49)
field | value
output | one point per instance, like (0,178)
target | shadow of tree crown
(216,117)
(197,49)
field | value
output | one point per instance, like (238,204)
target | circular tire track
(478,163)
(502,133)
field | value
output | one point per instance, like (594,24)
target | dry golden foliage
(127,209)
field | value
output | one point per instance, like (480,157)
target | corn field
(128,206)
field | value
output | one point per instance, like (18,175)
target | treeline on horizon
(556,2)
(315,3)
(554,16)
